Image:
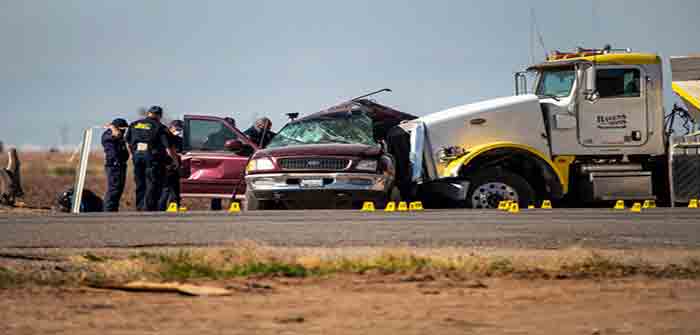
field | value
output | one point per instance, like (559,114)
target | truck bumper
(319,190)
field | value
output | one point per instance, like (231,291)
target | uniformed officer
(148,142)
(116,158)
(260,133)
(171,189)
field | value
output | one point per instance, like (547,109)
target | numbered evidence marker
(620,204)
(235,207)
(368,206)
(390,207)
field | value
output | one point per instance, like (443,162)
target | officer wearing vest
(116,157)
(148,142)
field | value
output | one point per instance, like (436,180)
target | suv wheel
(487,190)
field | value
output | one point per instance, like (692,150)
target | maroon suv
(335,158)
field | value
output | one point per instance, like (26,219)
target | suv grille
(314,163)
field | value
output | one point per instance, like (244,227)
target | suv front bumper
(318,187)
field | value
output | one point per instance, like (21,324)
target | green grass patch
(9,278)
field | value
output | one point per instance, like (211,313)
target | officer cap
(120,123)
(177,124)
(157,110)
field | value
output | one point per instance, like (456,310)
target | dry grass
(252,260)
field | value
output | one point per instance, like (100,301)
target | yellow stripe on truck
(454,166)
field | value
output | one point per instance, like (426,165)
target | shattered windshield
(556,83)
(343,128)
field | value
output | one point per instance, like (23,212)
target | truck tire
(487,190)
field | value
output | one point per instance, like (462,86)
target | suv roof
(375,111)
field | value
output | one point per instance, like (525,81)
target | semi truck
(593,129)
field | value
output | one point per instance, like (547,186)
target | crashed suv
(337,158)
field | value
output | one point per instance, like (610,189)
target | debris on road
(186,289)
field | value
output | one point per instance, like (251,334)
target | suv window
(618,83)
(208,135)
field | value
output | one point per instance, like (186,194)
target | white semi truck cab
(593,129)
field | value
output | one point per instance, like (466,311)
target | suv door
(212,171)
(619,117)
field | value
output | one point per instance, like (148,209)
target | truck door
(213,171)
(619,117)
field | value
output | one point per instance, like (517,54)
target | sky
(72,64)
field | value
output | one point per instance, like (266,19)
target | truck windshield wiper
(556,98)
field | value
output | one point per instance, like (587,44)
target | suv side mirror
(233,145)
(238,147)
(589,89)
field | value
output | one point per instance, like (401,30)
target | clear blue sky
(80,63)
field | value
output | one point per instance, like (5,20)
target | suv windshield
(347,128)
(556,83)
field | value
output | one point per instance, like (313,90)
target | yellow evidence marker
(390,207)
(647,204)
(183,209)
(693,203)
(368,206)
(514,208)
(620,204)
(403,206)
(530,206)
(636,208)
(415,206)
(505,205)
(546,204)
(172,208)
(235,207)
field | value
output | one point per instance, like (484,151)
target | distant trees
(2,147)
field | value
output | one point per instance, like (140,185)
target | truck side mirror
(520,83)
(589,89)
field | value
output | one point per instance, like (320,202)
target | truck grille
(314,163)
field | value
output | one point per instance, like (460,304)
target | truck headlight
(367,165)
(260,164)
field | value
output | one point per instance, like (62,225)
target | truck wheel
(487,190)
(252,203)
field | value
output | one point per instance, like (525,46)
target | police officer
(148,142)
(116,157)
(260,132)
(171,189)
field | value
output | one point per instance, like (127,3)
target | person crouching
(171,184)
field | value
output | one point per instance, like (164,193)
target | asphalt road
(605,228)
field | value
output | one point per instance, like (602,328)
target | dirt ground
(361,305)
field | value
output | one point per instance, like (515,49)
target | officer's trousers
(171,189)
(148,176)
(116,180)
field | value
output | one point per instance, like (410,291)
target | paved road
(668,228)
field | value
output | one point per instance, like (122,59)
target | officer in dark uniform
(116,157)
(260,133)
(171,189)
(148,142)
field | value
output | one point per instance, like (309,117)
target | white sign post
(82,171)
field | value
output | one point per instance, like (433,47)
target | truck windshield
(556,83)
(350,128)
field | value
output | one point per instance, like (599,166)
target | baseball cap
(177,124)
(156,110)
(120,123)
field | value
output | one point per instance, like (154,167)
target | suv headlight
(367,165)
(260,164)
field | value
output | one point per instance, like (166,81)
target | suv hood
(355,150)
